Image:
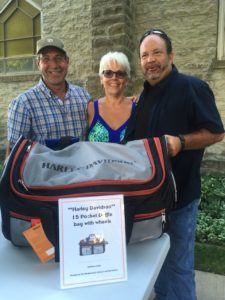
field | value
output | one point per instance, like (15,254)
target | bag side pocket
(147,229)
(17,227)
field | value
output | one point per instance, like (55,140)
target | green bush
(211,220)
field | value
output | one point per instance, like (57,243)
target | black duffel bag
(35,177)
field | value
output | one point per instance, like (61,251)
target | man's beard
(153,75)
(157,74)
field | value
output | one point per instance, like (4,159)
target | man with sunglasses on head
(53,108)
(183,109)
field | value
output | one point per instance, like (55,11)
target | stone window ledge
(218,64)
(19,77)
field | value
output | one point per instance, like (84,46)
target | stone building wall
(91,28)
(112,30)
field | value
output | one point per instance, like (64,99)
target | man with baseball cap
(50,42)
(53,108)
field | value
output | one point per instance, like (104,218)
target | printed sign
(92,241)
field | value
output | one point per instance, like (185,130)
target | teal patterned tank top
(100,131)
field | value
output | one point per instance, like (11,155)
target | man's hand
(196,140)
(173,145)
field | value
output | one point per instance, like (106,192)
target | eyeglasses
(110,73)
(56,59)
(153,31)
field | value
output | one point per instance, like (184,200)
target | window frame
(32,57)
(221,31)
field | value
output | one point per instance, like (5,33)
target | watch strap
(182,141)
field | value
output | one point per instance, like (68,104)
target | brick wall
(90,28)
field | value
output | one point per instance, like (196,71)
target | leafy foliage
(211,220)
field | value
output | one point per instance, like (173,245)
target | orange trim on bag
(19,216)
(142,192)
(149,215)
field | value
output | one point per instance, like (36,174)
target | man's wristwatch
(182,141)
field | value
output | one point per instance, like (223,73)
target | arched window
(20,28)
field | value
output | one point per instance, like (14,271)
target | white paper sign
(92,241)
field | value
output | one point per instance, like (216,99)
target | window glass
(19,31)
(37,27)
(18,26)
(1,31)
(21,47)
(8,11)
(18,65)
(2,69)
(1,49)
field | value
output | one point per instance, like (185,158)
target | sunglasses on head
(110,74)
(154,31)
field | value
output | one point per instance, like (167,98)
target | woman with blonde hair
(108,116)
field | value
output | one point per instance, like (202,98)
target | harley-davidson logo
(58,168)
(67,168)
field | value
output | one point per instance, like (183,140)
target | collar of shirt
(43,87)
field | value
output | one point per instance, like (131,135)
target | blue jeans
(176,280)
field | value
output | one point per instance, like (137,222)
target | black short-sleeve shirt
(179,104)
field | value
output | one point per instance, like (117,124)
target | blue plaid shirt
(38,114)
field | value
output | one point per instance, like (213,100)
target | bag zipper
(21,182)
(29,191)
(21,217)
(146,216)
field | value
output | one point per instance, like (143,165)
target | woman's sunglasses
(110,74)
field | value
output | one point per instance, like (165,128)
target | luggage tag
(39,242)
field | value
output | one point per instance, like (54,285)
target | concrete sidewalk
(209,286)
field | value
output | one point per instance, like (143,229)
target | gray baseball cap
(49,42)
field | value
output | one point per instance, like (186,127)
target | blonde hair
(117,57)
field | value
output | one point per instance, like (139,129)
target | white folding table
(23,276)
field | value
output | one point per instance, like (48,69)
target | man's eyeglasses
(56,59)
(154,31)
(110,74)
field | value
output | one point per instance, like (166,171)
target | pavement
(209,286)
